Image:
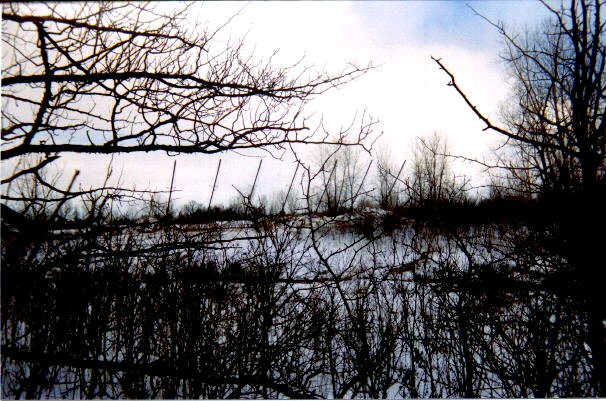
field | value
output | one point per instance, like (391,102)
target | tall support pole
(334,167)
(252,190)
(214,185)
(361,183)
(170,194)
(62,202)
(397,177)
(289,188)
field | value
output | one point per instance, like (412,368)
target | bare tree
(557,122)
(432,179)
(389,185)
(342,175)
(557,117)
(106,78)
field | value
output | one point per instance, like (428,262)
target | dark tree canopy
(126,77)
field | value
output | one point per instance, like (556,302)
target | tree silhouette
(556,118)
(433,181)
(557,122)
(107,78)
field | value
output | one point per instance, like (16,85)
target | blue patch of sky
(446,22)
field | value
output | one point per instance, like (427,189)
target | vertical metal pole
(339,188)
(361,184)
(397,177)
(170,194)
(64,199)
(214,185)
(326,186)
(255,182)
(289,188)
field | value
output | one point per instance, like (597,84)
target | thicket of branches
(557,127)
(281,310)
(555,120)
(107,78)
(301,306)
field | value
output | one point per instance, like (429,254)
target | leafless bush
(432,179)
(389,184)
(341,179)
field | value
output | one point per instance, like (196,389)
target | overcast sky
(406,92)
